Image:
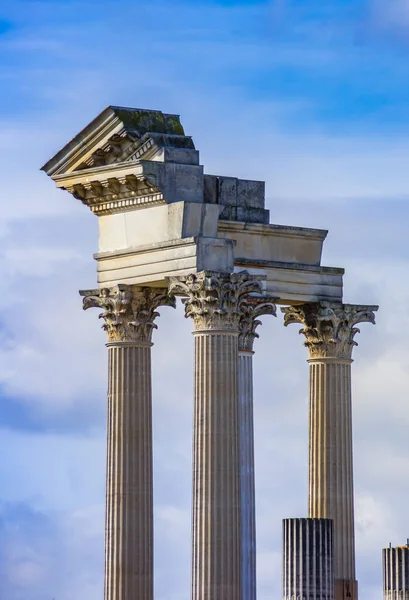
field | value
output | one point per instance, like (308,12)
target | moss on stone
(149,121)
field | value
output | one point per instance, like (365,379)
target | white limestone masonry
(216,497)
(329,330)
(168,228)
(161,216)
(219,304)
(247,483)
(129,485)
(331,493)
(128,315)
(251,308)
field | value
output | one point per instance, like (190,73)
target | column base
(346,589)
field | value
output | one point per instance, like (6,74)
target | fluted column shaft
(329,329)
(247,483)
(129,313)
(129,487)
(331,492)
(250,309)
(218,303)
(216,509)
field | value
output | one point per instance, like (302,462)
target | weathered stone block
(177,182)
(211,189)
(250,194)
(184,156)
(227,191)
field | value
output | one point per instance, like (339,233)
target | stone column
(129,313)
(213,302)
(329,330)
(250,308)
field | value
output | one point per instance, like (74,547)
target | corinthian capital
(213,299)
(252,307)
(129,311)
(329,328)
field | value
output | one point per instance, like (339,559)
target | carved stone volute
(329,328)
(129,312)
(213,299)
(252,307)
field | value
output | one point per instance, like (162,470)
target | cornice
(104,171)
(273,264)
(107,196)
(104,126)
(272,229)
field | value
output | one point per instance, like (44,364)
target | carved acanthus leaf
(329,329)
(251,307)
(213,299)
(129,312)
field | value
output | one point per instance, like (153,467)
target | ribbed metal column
(129,502)
(308,559)
(331,493)
(216,511)
(247,487)
(396,573)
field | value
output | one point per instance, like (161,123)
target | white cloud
(52,356)
(38,549)
(391,13)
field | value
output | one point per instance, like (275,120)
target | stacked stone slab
(395,562)
(308,569)
(168,229)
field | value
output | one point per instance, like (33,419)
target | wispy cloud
(305,97)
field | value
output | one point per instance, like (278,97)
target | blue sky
(310,96)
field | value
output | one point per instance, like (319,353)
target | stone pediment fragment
(119,135)
(117,162)
(160,215)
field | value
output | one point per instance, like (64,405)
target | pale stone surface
(140,174)
(247,482)
(252,308)
(276,243)
(129,315)
(129,485)
(213,301)
(157,224)
(331,493)
(294,283)
(329,330)
(118,134)
(153,263)
(160,218)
